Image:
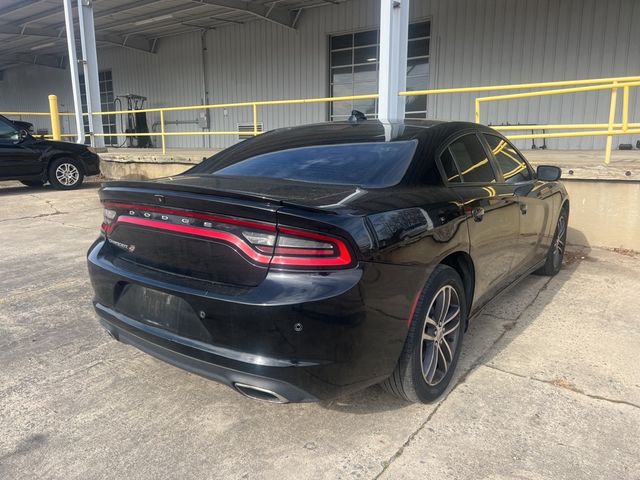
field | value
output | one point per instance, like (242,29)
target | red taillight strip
(201,216)
(282,255)
(202,232)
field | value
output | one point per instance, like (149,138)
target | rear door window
(471,160)
(450,168)
(514,168)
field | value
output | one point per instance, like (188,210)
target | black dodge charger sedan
(313,261)
(35,161)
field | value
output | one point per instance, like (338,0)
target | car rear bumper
(199,361)
(302,336)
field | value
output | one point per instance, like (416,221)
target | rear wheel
(32,183)
(432,347)
(65,174)
(555,254)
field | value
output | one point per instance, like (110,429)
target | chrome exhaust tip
(259,393)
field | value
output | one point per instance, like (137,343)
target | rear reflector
(262,243)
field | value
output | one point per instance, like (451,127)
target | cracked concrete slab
(525,402)
(501,426)
(583,332)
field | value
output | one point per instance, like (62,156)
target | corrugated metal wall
(474,42)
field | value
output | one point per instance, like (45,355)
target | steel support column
(394,30)
(90,60)
(73,69)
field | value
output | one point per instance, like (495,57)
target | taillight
(299,248)
(309,249)
(262,243)
(109,216)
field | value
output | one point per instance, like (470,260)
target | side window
(8,133)
(513,167)
(450,168)
(471,159)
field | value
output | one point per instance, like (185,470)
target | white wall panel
(474,42)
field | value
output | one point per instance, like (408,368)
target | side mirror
(548,173)
(22,135)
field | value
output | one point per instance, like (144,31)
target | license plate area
(162,310)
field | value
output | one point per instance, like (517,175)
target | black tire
(32,183)
(555,255)
(65,174)
(427,337)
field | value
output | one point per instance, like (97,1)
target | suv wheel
(65,174)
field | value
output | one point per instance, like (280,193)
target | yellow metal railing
(609,129)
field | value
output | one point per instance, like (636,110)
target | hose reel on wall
(136,122)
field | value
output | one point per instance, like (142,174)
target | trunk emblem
(130,248)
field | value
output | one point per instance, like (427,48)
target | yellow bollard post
(164,147)
(255,119)
(612,118)
(625,108)
(55,117)
(477,110)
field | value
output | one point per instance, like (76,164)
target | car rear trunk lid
(195,235)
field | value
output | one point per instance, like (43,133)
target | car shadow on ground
(475,351)
(19,189)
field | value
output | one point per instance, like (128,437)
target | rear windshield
(372,165)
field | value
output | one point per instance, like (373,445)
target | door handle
(478,214)
(523,208)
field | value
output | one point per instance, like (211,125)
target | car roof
(429,134)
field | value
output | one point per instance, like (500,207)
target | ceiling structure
(33,32)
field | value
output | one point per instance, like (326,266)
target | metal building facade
(474,42)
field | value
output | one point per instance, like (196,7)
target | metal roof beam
(273,14)
(51,61)
(131,20)
(19,6)
(105,13)
(155,27)
(129,41)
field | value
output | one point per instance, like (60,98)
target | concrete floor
(548,384)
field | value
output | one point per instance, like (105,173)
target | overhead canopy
(32,31)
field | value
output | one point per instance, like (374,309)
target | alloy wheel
(67,174)
(559,244)
(440,335)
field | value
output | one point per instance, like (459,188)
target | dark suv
(35,162)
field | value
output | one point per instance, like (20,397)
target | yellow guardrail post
(255,119)
(55,117)
(477,101)
(164,146)
(625,108)
(612,119)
